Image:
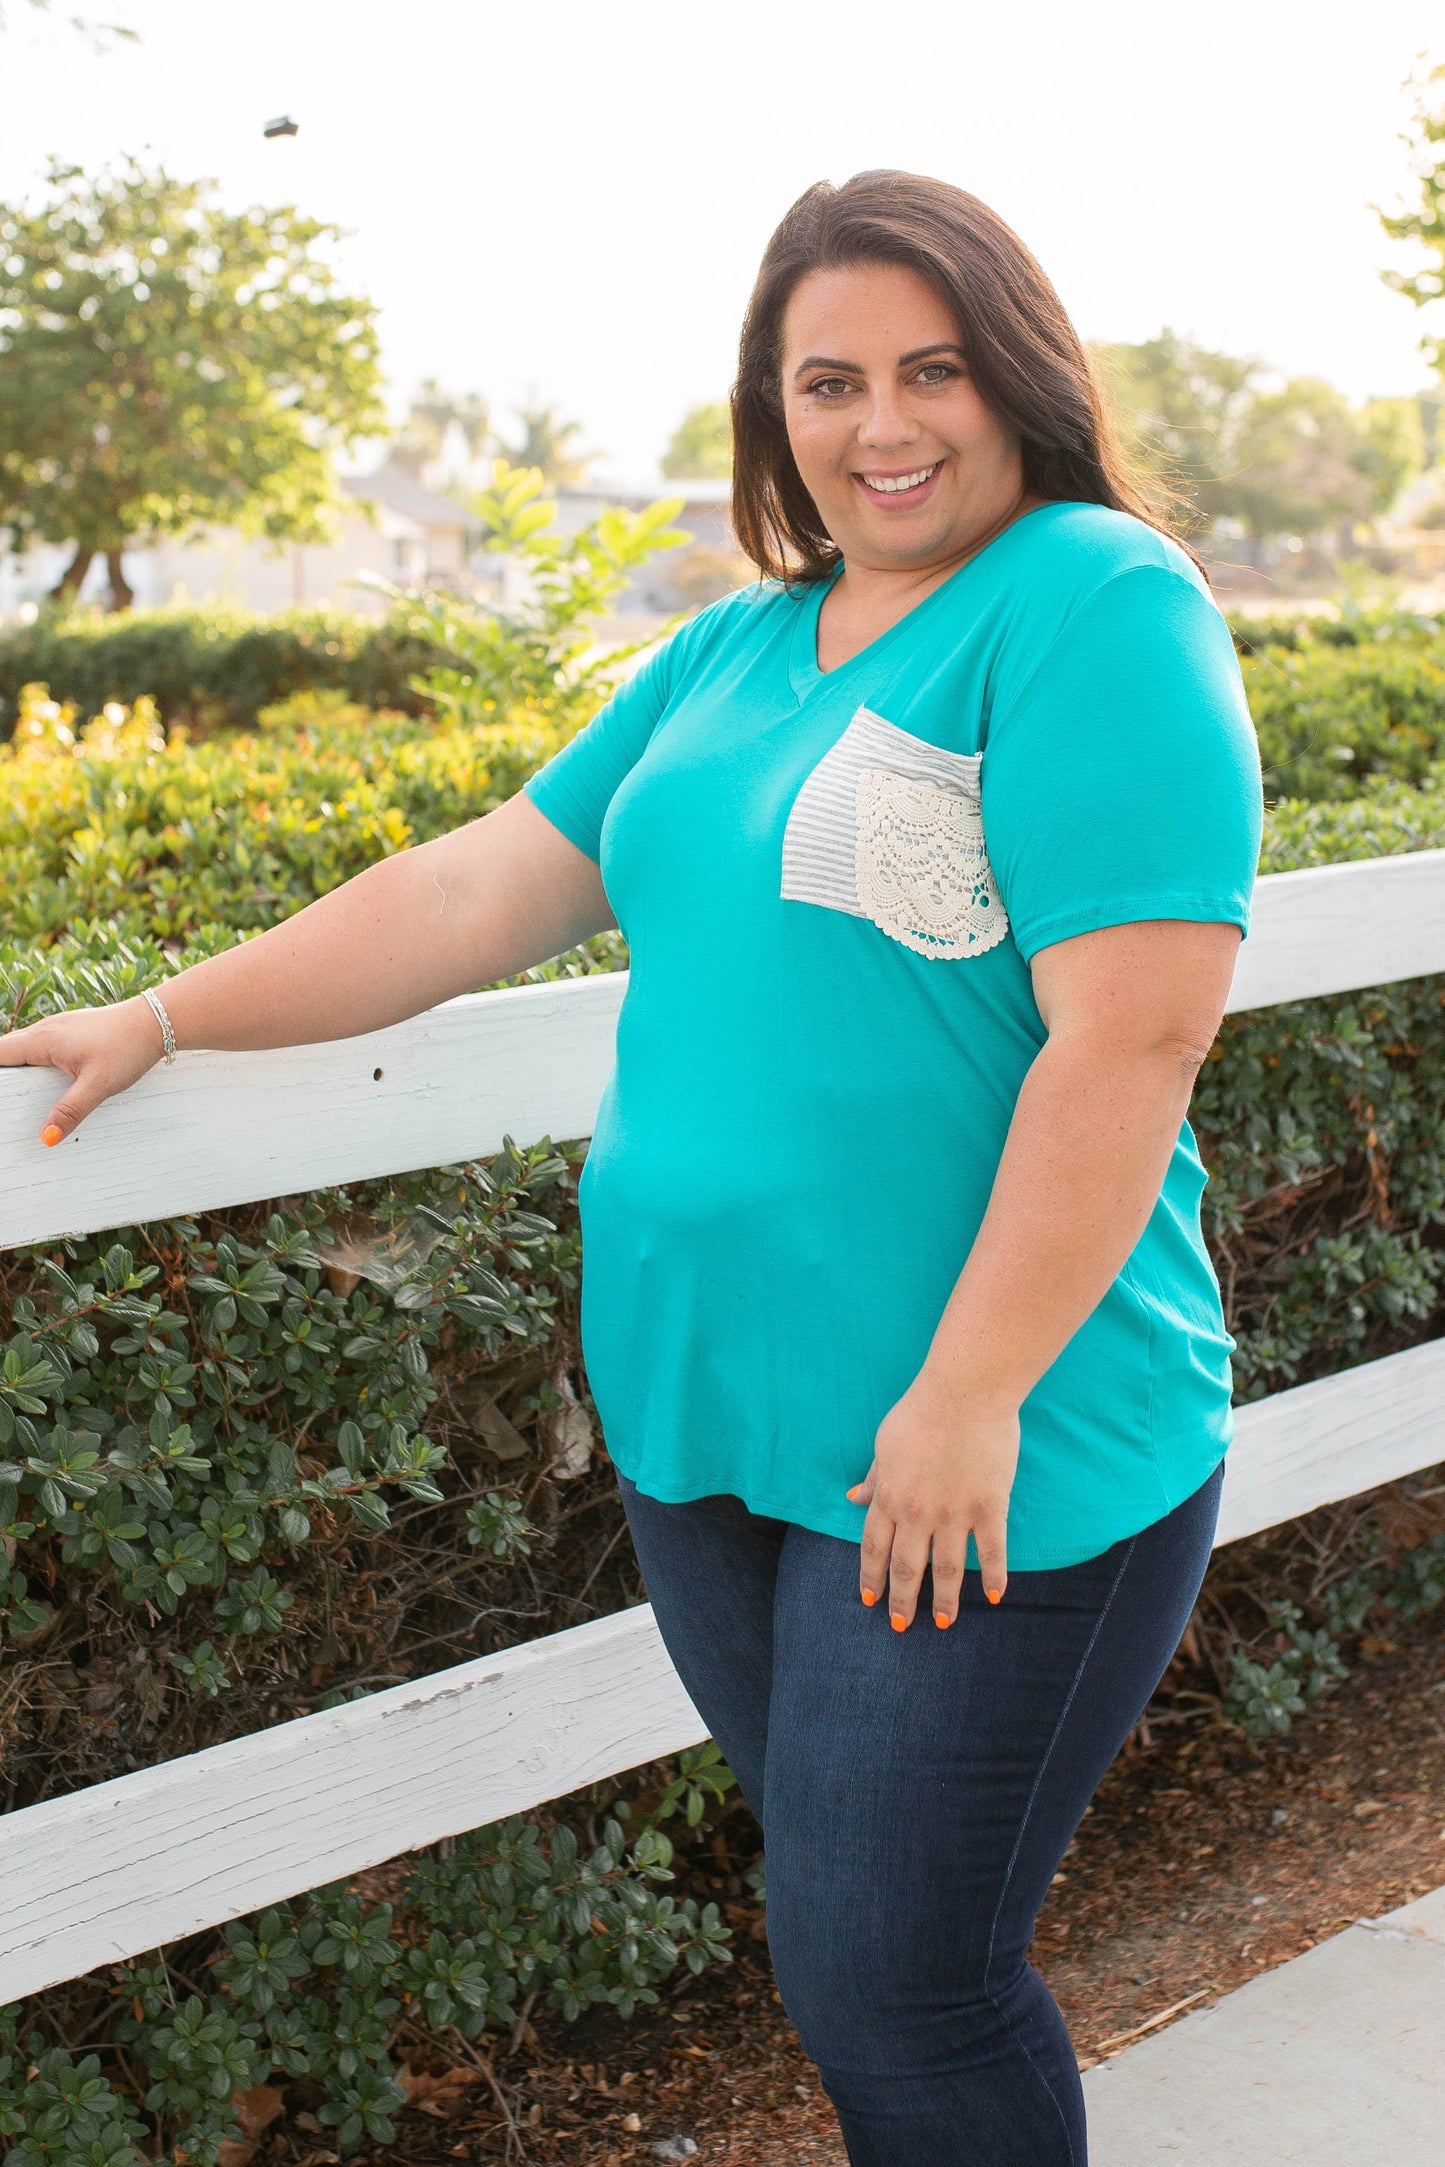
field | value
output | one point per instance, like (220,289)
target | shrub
(1352,627)
(207,1430)
(1331,719)
(325,1991)
(108,826)
(538,656)
(1323,1126)
(210,1427)
(216,667)
(210,666)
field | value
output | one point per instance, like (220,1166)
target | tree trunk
(122,594)
(72,578)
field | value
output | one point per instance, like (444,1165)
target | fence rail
(118,1868)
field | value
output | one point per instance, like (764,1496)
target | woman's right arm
(484,902)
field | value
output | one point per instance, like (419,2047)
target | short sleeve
(575,787)
(1122,781)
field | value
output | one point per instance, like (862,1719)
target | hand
(943,1465)
(102,1050)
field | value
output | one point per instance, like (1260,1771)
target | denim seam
(1027,1812)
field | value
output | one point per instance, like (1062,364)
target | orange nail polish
(995,1595)
(51,1133)
(942,1620)
(898,1622)
(854,1491)
(869,1597)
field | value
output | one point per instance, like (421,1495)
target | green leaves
(65,2112)
(257,1604)
(537,659)
(203,1671)
(1422,224)
(703,1777)
(161,1448)
(498,1525)
(316,1990)
(133,293)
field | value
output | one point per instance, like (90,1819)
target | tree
(702,445)
(419,441)
(546,444)
(1424,224)
(1181,409)
(166,364)
(1393,446)
(1301,453)
(97,33)
(1289,457)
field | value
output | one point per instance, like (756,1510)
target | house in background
(676,579)
(393,527)
(389,527)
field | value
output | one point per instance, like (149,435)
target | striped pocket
(890,828)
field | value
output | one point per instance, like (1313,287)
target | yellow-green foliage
(108,820)
(1332,719)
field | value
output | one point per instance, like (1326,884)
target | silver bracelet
(168,1036)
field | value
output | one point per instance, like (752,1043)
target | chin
(902,545)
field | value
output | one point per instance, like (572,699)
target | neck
(905,584)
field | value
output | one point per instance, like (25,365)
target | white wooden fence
(124,1866)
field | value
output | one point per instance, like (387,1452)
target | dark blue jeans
(917,1791)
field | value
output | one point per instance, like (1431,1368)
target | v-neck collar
(803,671)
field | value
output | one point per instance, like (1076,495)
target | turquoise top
(831,886)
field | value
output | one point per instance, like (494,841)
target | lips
(895,486)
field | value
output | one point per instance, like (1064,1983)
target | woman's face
(907,466)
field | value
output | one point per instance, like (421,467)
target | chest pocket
(890,828)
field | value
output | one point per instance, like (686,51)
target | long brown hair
(1023,353)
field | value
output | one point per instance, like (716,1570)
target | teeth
(889,486)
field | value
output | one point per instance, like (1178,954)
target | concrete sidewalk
(1336,2059)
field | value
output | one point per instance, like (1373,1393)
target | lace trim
(922,869)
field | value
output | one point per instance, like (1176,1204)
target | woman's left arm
(1131,1011)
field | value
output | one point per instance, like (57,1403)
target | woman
(933,851)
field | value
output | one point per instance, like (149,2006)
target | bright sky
(570,199)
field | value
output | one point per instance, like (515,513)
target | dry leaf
(475,1405)
(255,2110)
(439,2096)
(572,1438)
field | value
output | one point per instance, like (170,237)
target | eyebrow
(851,368)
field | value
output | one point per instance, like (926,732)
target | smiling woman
(933,852)
(894,1265)
(1028,386)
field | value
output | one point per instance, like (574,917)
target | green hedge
(1338,702)
(212,666)
(208,1431)
(1331,720)
(166,841)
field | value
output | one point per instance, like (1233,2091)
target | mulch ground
(1203,1860)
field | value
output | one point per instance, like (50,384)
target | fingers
(66,1115)
(950,1554)
(18,1049)
(990,1537)
(906,1567)
(102,1050)
(874,1552)
(862,1492)
(894,1556)
(34,1047)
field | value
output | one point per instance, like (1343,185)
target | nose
(885,423)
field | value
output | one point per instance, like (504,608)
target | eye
(936,372)
(829,387)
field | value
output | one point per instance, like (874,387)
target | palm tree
(546,442)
